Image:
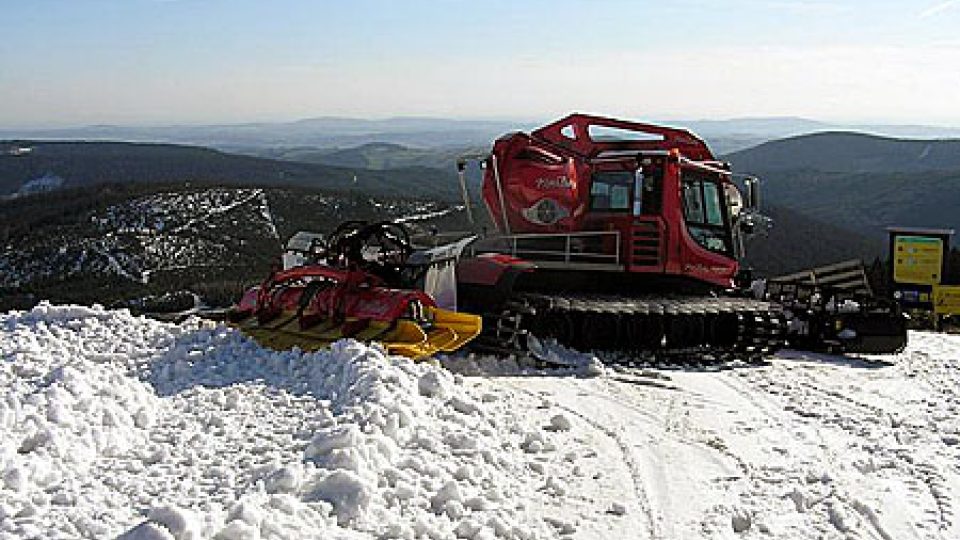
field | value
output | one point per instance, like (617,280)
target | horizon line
(486,119)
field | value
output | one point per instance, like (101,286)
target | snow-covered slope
(114,425)
(187,231)
(810,446)
(146,235)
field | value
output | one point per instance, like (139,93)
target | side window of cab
(610,191)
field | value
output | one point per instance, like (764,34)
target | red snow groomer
(628,236)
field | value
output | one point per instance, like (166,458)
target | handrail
(548,235)
(568,254)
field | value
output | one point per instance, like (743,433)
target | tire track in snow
(763,479)
(815,405)
(636,472)
(766,405)
(627,401)
(916,467)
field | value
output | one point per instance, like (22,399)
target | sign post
(946,301)
(918,259)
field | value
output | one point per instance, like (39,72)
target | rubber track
(689,328)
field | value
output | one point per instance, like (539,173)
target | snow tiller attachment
(360,283)
(833,308)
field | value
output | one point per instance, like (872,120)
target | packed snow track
(119,426)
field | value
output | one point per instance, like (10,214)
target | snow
(268,215)
(40,184)
(425,216)
(120,426)
(248,196)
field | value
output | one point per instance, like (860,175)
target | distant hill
(797,242)
(324,132)
(305,139)
(859,182)
(772,126)
(726,136)
(869,202)
(779,127)
(87,163)
(846,152)
(321,132)
(377,156)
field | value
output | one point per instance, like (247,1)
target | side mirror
(752,185)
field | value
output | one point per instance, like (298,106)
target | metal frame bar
(503,205)
(462,162)
(567,253)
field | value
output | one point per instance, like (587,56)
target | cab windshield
(705,212)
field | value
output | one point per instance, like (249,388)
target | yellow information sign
(946,299)
(917,259)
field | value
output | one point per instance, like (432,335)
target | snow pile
(114,425)
(66,409)
(121,425)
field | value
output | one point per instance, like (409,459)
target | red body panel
(350,294)
(541,183)
(488,268)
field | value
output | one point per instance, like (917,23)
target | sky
(164,62)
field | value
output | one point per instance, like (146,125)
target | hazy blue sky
(67,62)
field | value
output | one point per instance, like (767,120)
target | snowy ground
(112,425)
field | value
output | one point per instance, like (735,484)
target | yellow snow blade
(448,332)
(407,339)
(466,326)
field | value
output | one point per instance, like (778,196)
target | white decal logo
(560,182)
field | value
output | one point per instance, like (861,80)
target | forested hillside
(127,244)
(87,163)
(860,182)
(375,156)
(847,152)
